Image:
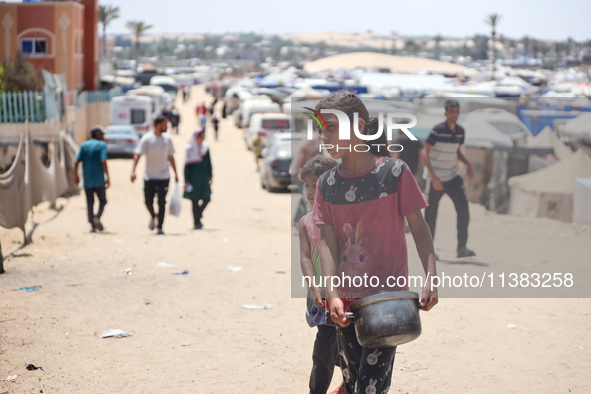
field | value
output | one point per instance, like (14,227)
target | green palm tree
(137,28)
(107,14)
(493,20)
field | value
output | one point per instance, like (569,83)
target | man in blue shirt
(93,156)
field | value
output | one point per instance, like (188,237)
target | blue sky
(545,19)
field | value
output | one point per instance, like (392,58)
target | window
(34,46)
(138,116)
(276,124)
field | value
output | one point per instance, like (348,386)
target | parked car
(121,139)
(263,125)
(276,160)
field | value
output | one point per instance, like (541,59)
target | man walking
(158,149)
(440,156)
(93,156)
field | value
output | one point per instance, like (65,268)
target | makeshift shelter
(549,192)
(582,201)
(548,139)
(578,127)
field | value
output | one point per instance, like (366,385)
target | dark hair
(451,104)
(159,119)
(317,166)
(348,102)
(96,130)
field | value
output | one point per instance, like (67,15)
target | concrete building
(58,36)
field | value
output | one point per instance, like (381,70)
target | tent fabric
(582,201)
(549,192)
(13,207)
(548,139)
(579,126)
(28,182)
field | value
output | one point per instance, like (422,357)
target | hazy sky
(546,19)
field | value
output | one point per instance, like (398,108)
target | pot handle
(349,315)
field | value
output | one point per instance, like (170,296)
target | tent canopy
(579,126)
(558,178)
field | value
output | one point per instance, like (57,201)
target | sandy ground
(190,333)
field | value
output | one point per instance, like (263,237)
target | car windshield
(276,124)
(283,149)
(120,130)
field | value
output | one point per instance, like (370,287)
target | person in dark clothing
(198,175)
(216,124)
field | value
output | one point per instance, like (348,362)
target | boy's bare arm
(106,170)
(328,256)
(306,261)
(463,159)
(426,160)
(424,243)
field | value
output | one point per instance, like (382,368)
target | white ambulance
(132,110)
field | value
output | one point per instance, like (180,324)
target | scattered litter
(128,271)
(31,367)
(115,333)
(585,314)
(264,306)
(512,326)
(30,288)
(62,258)
(280,272)
(185,272)
(11,377)
(118,250)
(234,268)
(163,264)
(580,347)
(185,344)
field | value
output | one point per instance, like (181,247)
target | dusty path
(190,333)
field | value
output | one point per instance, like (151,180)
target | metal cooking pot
(386,319)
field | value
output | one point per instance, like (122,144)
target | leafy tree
(19,75)
(138,29)
(107,14)
(480,50)
(437,40)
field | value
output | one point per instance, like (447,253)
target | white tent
(549,192)
(506,122)
(579,126)
(548,139)
(582,201)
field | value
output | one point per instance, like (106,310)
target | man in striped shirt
(440,156)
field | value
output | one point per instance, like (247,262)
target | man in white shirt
(158,149)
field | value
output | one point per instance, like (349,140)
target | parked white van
(254,105)
(132,110)
(167,83)
(266,124)
(156,94)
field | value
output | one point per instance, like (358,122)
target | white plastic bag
(175,201)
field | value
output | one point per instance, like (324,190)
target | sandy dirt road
(190,333)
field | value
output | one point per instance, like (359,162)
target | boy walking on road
(441,155)
(158,149)
(93,156)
